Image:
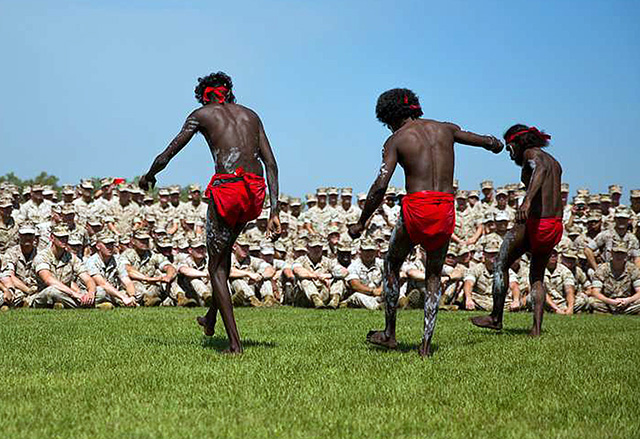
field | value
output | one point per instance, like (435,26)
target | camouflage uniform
(370,277)
(307,288)
(14,261)
(616,287)
(556,283)
(481,294)
(150,264)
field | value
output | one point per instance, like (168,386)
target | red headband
(528,130)
(220,92)
(413,107)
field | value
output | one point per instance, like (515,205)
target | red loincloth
(429,217)
(238,196)
(543,234)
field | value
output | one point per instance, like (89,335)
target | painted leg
(399,247)
(538,293)
(433,266)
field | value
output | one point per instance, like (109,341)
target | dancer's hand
(147,182)
(356,230)
(274,229)
(496,145)
(523,212)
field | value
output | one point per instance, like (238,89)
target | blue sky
(95,88)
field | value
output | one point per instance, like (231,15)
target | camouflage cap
(465,249)
(332,190)
(254,247)
(462,194)
(164,192)
(76,238)
(160,230)
(622,212)
(147,198)
(196,241)
(106,237)
(635,193)
(346,192)
(456,183)
(368,244)
(295,201)
(6,202)
(141,234)
(183,244)
(127,188)
(362,196)
(570,253)
(493,246)
(501,215)
(486,184)
(321,191)
(194,188)
(573,231)
(37,188)
(94,221)
(283,199)
(242,241)
(384,247)
(391,191)
(593,199)
(300,246)
(60,230)
(124,240)
(26,190)
(175,189)
(474,193)
(315,241)
(68,190)
(615,189)
(106,181)
(402,192)
(150,218)
(579,200)
(605,198)
(333,230)
(86,184)
(345,245)
(27,228)
(582,192)
(502,191)
(68,209)
(266,248)
(56,208)
(279,246)
(488,217)
(311,198)
(164,242)
(564,187)
(620,247)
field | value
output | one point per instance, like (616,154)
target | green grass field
(149,373)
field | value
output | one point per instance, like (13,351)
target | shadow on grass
(221,343)
(403,347)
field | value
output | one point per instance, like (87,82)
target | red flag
(119,180)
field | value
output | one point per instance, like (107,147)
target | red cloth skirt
(239,196)
(429,217)
(543,234)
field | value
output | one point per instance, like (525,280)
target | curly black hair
(396,105)
(215,80)
(531,139)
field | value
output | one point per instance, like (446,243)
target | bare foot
(379,338)
(207,326)
(233,351)
(425,349)
(486,322)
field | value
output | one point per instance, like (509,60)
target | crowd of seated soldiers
(114,245)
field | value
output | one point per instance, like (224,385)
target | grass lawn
(149,373)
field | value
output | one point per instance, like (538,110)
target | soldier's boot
(183,300)
(58,305)
(151,301)
(317,301)
(344,304)
(288,294)
(255,302)
(105,306)
(270,301)
(4,308)
(334,302)
(403,302)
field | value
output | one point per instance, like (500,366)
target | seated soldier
(583,284)
(320,280)
(606,239)
(478,281)
(452,278)
(58,274)
(193,276)
(560,285)
(284,273)
(364,281)
(413,273)
(8,225)
(18,272)
(269,292)
(244,277)
(616,284)
(150,271)
(110,274)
